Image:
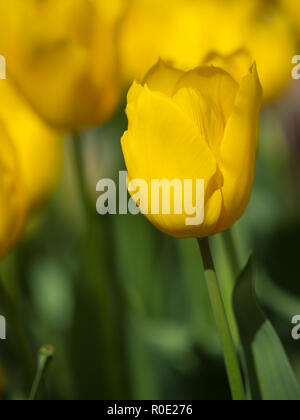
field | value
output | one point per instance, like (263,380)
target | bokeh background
(126,307)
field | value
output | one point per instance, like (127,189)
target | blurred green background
(125,306)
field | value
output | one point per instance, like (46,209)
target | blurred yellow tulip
(38,147)
(293,9)
(195,125)
(62,56)
(13,198)
(184,32)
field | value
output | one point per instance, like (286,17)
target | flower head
(194,125)
(62,56)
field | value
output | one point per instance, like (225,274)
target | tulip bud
(197,125)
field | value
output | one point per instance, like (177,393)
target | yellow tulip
(62,56)
(292,7)
(13,199)
(194,125)
(38,147)
(184,32)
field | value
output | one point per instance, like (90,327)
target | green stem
(14,321)
(45,357)
(232,252)
(99,275)
(79,172)
(230,355)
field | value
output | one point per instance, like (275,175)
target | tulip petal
(134,92)
(236,64)
(162,78)
(238,150)
(213,83)
(163,143)
(204,113)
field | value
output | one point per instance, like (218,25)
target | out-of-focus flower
(62,56)
(184,32)
(195,125)
(272,43)
(37,146)
(293,8)
(13,198)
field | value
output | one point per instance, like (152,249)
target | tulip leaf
(269,373)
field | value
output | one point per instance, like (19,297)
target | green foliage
(269,374)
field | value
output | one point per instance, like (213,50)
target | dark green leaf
(269,373)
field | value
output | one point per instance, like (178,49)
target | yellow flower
(13,199)
(184,32)
(38,147)
(62,56)
(195,125)
(293,8)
